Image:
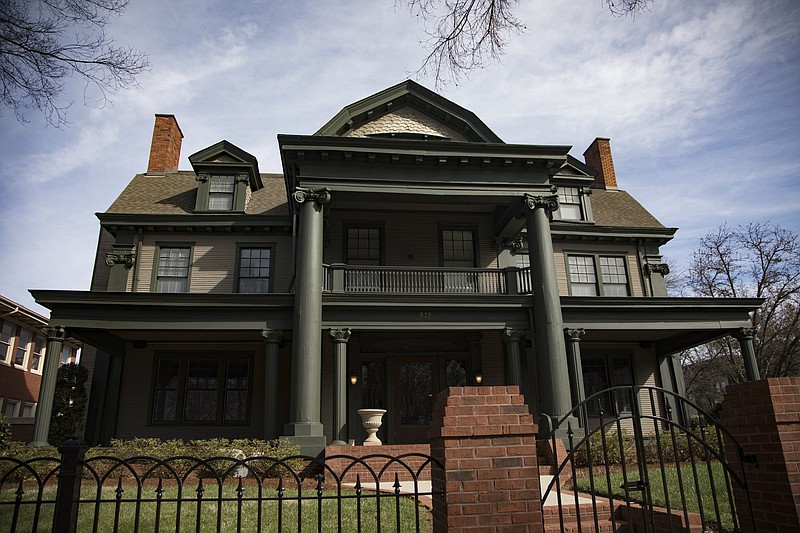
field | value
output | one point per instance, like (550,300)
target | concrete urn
(371,419)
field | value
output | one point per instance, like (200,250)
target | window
(67,355)
(584,281)
(6,337)
(11,408)
(172,273)
(21,353)
(28,410)
(363,246)
(38,353)
(201,389)
(254,270)
(458,248)
(220,193)
(569,203)
(601,373)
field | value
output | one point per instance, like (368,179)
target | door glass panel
(372,385)
(456,373)
(416,393)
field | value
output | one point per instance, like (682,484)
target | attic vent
(409,135)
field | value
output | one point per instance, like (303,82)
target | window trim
(584,203)
(183,358)
(16,402)
(380,226)
(156,258)
(270,281)
(7,360)
(42,354)
(597,271)
(26,358)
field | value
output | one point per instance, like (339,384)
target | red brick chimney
(598,156)
(165,150)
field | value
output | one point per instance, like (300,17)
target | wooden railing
(406,280)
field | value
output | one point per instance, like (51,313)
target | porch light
(353,378)
(478,377)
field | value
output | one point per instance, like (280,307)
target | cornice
(662,303)
(575,232)
(198,222)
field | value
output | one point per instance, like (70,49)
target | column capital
(121,258)
(548,203)
(512,335)
(54,333)
(341,335)
(745,333)
(272,336)
(321,196)
(515,245)
(658,268)
(574,334)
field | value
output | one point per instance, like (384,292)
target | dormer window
(221,193)
(569,203)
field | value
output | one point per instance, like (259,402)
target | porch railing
(432,280)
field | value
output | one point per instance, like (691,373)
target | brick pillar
(485,439)
(764,416)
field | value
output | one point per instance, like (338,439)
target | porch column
(273,339)
(548,323)
(574,364)
(340,338)
(44,408)
(511,339)
(745,337)
(304,427)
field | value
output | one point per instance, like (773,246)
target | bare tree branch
(464,35)
(44,42)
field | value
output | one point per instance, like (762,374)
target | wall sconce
(478,377)
(353,378)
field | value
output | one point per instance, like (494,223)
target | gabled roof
(226,156)
(410,94)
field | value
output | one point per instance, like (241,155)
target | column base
(311,445)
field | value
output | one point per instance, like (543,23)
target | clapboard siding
(214,260)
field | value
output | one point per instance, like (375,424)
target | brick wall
(486,440)
(764,416)
(598,156)
(406,467)
(165,149)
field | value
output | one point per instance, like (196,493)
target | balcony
(404,280)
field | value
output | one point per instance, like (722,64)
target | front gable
(225,157)
(408,110)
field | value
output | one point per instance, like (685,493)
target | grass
(304,515)
(685,495)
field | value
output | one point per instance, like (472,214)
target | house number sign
(424,314)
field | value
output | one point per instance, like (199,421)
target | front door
(416,383)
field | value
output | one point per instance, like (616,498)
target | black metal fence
(70,492)
(644,459)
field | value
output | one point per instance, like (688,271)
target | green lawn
(689,498)
(309,513)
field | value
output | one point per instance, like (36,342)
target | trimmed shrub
(5,432)
(613,453)
(69,403)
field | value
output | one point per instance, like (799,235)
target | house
(22,358)
(404,248)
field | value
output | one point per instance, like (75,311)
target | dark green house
(404,248)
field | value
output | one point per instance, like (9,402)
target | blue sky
(700,100)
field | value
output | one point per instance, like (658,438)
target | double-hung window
(597,275)
(172,272)
(202,388)
(6,341)
(37,353)
(364,245)
(221,192)
(569,203)
(253,273)
(458,248)
(23,345)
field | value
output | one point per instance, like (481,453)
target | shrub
(699,440)
(5,432)
(613,453)
(40,461)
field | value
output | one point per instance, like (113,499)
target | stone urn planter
(371,419)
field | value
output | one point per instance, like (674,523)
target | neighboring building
(22,358)
(403,249)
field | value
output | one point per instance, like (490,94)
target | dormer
(573,180)
(225,176)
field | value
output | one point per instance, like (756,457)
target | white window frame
(27,349)
(41,354)
(5,358)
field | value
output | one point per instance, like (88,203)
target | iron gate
(637,458)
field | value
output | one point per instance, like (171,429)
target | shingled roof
(176,192)
(620,209)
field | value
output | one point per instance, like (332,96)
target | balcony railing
(406,280)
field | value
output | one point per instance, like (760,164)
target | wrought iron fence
(71,492)
(636,460)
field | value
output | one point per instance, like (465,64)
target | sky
(701,101)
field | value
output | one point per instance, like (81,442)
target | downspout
(135,282)
(294,251)
(639,259)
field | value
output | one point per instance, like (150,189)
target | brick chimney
(165,150)
(598,156)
